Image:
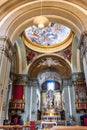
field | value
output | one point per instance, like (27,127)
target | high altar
(51,107)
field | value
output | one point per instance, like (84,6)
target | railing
(17,127)
(69,128)
(24,127)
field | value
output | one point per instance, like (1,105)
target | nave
(43,63)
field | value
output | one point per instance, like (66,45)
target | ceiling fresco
(31,55)
(52,34)
(48,74)
(66,53)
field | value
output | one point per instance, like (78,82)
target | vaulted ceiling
(50,61)
(17,15)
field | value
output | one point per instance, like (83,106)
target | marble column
(32,101)
(83,51)
(6,55)
(9,94)
(67,97)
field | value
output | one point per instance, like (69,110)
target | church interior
(43,62)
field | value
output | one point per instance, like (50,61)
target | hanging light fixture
(41,21)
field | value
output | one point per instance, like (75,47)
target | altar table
(47,123)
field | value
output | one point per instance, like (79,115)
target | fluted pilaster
(83,50)
(6,55)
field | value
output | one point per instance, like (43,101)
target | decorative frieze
(6,47)
(19,79)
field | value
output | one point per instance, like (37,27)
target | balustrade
(25,127)
(17,127)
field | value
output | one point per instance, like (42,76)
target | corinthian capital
(6,47)
(84,39)
(19,79)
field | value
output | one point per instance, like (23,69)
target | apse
(49,77)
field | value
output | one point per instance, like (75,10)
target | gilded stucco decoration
(43,62)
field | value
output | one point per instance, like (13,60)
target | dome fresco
(54,33)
